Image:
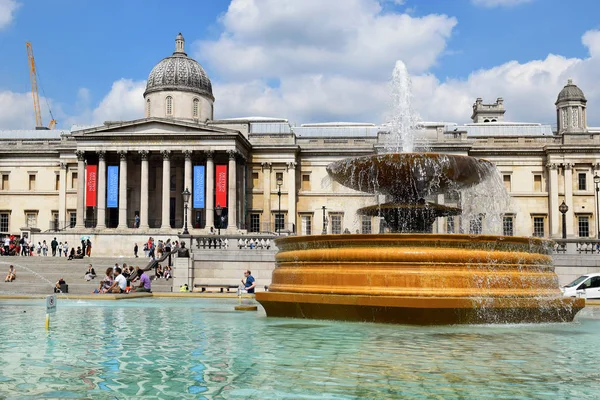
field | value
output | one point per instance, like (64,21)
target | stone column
(166,189)
(266,166)
(187,173)
(62,196)
(80,189)
(210,189)
(553,200)
(569,198)
(291,187)
(101,224)
(144,190)
(232,188)
(122,190)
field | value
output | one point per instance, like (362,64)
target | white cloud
(7,10)
(124,101)
(499,3)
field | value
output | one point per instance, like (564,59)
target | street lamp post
(563,208)
(324,222)
(278,220)
(219,210)
(186,200)
(597,183)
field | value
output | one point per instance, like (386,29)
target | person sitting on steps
(12,274)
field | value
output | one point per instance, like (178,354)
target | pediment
(151,126)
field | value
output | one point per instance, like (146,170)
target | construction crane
(34,92)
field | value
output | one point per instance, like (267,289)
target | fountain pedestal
(417,279)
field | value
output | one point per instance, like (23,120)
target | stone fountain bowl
(417,279)
(410,176)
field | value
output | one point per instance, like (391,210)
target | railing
(234,242)
(57,226)
(581,246)
(272,228)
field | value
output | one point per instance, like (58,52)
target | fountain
(411,276)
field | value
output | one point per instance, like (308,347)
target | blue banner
(112,187)
(198,186)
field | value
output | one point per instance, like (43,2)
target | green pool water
(197,348)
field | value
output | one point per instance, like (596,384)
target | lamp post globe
(563,208)
(219,211)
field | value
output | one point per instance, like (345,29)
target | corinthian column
(166,189)
(232,190)
(122,190)
(80,189)
(210,189)
(144,191)
(101,224)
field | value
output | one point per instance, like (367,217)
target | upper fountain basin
(410,176)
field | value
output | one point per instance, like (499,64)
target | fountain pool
(200,348)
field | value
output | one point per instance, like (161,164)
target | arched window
(169,105)
(148,108)
(494,120)
(486,120)
(195,106)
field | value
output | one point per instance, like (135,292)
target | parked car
(586,286)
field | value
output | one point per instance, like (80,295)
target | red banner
(221,186)
(90,185)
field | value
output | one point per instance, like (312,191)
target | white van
(586,286)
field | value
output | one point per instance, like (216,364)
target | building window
(4,222)
(476,225)
(449,224)
(31,219)
(537,183)
(31,181)
(255,181)
(306,182)
(538,226)
(74,180)
(307,225)
(508,226)
(584,226)
(507,184)
(336,223)
(581,181)
(72,219)
(57,182)
(366,227)
(148,108)
(5,182)
(279,222)
(254,222)
(169,105)
(195,107)
(54,223)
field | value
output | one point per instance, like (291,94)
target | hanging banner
(221,186)
(198,187)
(90,185)
(112,187)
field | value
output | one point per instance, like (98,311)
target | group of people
(117,280)
(14,245)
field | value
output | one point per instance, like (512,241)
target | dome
(570,92)
(179,72)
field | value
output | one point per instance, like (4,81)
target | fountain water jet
(410,276)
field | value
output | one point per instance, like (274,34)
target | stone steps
(37,275)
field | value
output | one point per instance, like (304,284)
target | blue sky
(307,60)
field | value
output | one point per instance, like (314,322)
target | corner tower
(179,88)
(570,110)
(488,112)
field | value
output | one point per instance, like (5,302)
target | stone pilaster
(122,190)
(210,189)
(291,189)
(569,198)
(553,200)
(266,166)
(80,189)
(144,190)
(166,189)
(101,215)
(62,196)
(232,188)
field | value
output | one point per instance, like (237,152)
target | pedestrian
(44,248)
(54,245)
(249,282)
(66,249)
(60,249)
(83,245)
(135,250)
(89,247)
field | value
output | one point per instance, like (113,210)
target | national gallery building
(266,175)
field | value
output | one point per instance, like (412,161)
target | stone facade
(276,179)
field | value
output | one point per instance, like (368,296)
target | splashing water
(404,121)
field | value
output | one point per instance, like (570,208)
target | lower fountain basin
(417,279)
